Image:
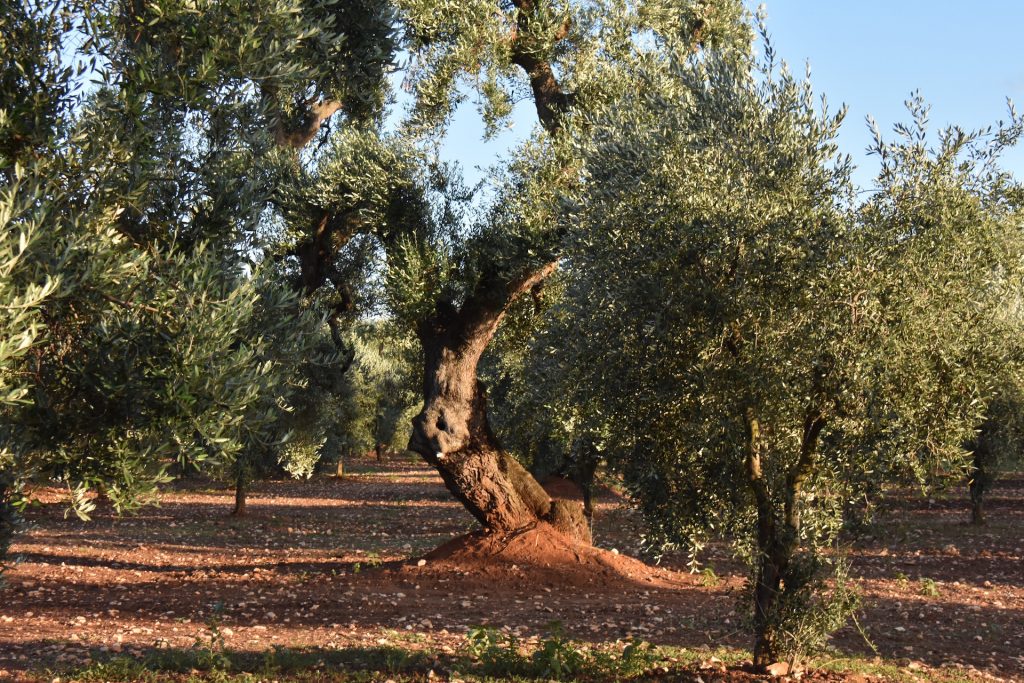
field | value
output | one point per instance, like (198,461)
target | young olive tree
(998,443)
(749,340)
(277,430)
(381,390)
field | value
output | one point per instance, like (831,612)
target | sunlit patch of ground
(327,564)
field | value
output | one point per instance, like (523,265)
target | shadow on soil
(197,567)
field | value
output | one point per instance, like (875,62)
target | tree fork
(777,540)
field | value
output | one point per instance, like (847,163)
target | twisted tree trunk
(452,432)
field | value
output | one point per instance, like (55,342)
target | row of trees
(215,251)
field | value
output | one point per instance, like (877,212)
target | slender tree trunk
(584,468)
(379,446)
(977,508)
(452,432)
(977,486)
(777,536)
(772,561)
(981,474)
(766,596)
(240,497)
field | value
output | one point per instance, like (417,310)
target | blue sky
(966,59)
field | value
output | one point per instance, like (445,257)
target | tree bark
(981,475)
(240,497)
(977,507)
(550,99)
(977,486)
(766,596)
(771,562)
(582,469)
(452,432)
(777,539)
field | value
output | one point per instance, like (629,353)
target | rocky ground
(345,563)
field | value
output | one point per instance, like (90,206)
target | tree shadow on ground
(280,571)
(210,659)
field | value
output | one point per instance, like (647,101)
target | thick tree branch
(299,134)
(814,422)
(755,479)
(317,252)
(548,95)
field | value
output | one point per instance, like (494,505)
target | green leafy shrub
(556,657)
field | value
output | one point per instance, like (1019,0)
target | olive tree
(138,149)
(455,287)
(750,340)
(381,390)
(998,442)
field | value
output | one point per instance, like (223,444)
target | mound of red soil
(542,553)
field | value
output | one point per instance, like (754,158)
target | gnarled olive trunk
(452,431)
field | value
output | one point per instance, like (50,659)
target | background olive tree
(142,146)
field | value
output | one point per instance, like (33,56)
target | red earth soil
(368,560)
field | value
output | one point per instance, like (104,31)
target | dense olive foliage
(144,330)
(750,344)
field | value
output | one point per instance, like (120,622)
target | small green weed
(497,653)
(210,650)
(500,655)
(117,669)
(557,657)
(929,588)
(709,578)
